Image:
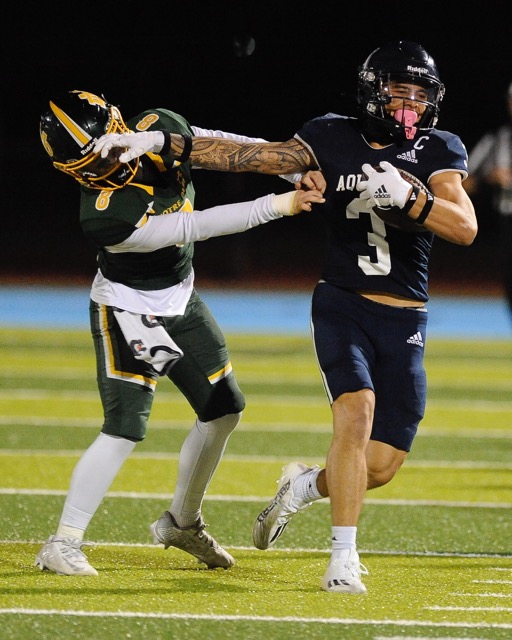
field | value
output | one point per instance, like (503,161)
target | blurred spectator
(490,175)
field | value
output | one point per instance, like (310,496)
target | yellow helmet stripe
(75,131)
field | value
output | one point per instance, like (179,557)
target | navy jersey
(364,253)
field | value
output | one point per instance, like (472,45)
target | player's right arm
(221,154)
(262,157)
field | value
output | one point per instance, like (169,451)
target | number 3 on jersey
(376,238)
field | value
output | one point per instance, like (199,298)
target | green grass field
(437,541)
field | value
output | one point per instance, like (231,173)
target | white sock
(90,481)
(343,538)
(70,532)
(199,458)
(304,487)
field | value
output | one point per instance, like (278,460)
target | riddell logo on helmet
(419,70)
(85,150)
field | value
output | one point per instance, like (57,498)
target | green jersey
(110,217)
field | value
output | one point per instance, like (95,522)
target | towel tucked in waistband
(148,340)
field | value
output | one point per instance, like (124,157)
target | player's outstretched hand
(385,187)
(312,180)
(292,203)
(134,144)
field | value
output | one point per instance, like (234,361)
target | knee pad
(225,399)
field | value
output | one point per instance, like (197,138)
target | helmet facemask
(378,90)
(396,75)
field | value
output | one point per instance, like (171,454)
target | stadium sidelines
(249,311)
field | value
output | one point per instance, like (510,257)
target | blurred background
(257,68)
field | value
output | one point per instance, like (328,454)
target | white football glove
(384,189)
(135,144)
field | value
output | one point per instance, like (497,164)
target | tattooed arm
(221,154)
(264,157)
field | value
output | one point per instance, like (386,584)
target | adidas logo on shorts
(417,338)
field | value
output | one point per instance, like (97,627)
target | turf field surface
(437,540)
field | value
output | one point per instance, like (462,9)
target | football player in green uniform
(147,320)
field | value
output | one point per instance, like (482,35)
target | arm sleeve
(216,133)
(183,227)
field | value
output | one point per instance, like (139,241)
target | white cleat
(65,557)
(343,574)
(273,520)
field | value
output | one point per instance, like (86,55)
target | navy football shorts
(362,344)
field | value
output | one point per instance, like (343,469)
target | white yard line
(303,620)
(233,498)
(248,425)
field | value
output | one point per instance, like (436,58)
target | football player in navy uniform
(147,320)
(369,314)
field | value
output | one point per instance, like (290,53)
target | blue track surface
(250,311)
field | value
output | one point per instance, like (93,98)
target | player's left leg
(389,415)
(204,375)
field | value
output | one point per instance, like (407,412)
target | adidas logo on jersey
(409,156)
(417,338)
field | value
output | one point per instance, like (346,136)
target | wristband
(167,143)
(426,208)
(187,148)
(166,147)
(412,199)
(283,203)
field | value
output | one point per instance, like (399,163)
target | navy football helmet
(69,132)
(405,62)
